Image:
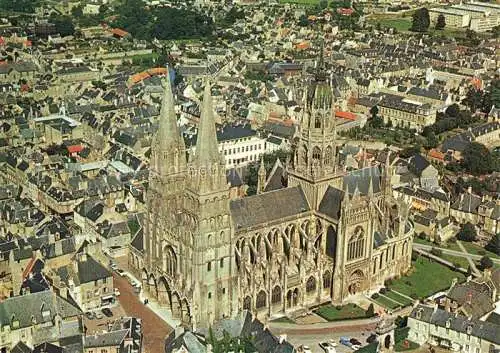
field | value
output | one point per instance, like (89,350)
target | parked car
(107,312)
(305,349)
(345,341)
(120,272)
(327,347)
(90,315)
(354,341)
(117,292)
(98,315)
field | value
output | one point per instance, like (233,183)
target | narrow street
(155,330)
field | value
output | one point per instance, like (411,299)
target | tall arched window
(327,280)
(261,300)
(356,246)
(311,284)
(276,295)
(328,155)
(317,122)
(316,153)
(170,261)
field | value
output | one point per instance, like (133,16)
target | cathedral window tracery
(261,300)
(356,246)
(311,284)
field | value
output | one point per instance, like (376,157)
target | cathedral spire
(168,148)
(168,131)
(207,150)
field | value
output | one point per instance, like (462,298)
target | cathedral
(325,236)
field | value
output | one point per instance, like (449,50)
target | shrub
(387,282)
(436,252)
(375,295)
(467,232)
(370,311)
(422,235)
(414,296)
(456,265)
(485,262)
(338,307)
(452,240)
(408,283)
(481,252)
(383,290)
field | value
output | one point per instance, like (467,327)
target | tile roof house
(21,315)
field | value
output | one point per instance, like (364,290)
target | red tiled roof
(436,154)
(345,115)
(119,32)
(75,148)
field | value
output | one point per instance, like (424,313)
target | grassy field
(400,299)
(400,335)
(300,2)
(386,303)
(346,312)
(284,319)
(425,278)
(471,248)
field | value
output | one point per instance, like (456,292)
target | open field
(425,278)
(346,312)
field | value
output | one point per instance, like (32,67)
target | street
(155,330)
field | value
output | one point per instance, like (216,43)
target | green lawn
(400,345)
(458,260)
(284,319)
(398,298)
(300,2)
(471,248)
(346,312)
(386,303)
(399,23)
(425,278)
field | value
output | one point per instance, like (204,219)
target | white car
(355,347)
(306,349)
(328,347)
(117,292)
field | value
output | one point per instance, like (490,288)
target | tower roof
(207,150)
(168,134)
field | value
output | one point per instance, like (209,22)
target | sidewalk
(164,313)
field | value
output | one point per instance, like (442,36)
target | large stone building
(326,236)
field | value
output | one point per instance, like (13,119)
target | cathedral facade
(327,235)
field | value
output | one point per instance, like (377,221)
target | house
(480,211)
(124,336)
(87,281)
(427,174)
(38,318)
(429,324)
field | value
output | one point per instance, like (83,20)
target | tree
(485,262)
(453,110)
(64,25)
(323,4)
(303,21)
(441,22)
(467,232)
(494,244)
(370,311)
(77,11)
(420,20)
(478,160)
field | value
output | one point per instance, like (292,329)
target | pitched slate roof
(108,339)
(482,329)
(361,179)
(137,241)
(21,347)
(331,202)
(91,270)
(22,308)
(268,207)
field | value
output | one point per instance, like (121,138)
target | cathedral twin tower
(326,236)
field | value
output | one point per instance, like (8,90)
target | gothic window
(305,158)
(328,155)
(356,246)
(394,251)
(276,295)
(221,263)
(311,285)
(316,154)
(317,122)
(170,261)
(247,303)
(331,242)
(209,266)
(261,300)
(327,280)
(405,248)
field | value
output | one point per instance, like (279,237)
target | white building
(239,143)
